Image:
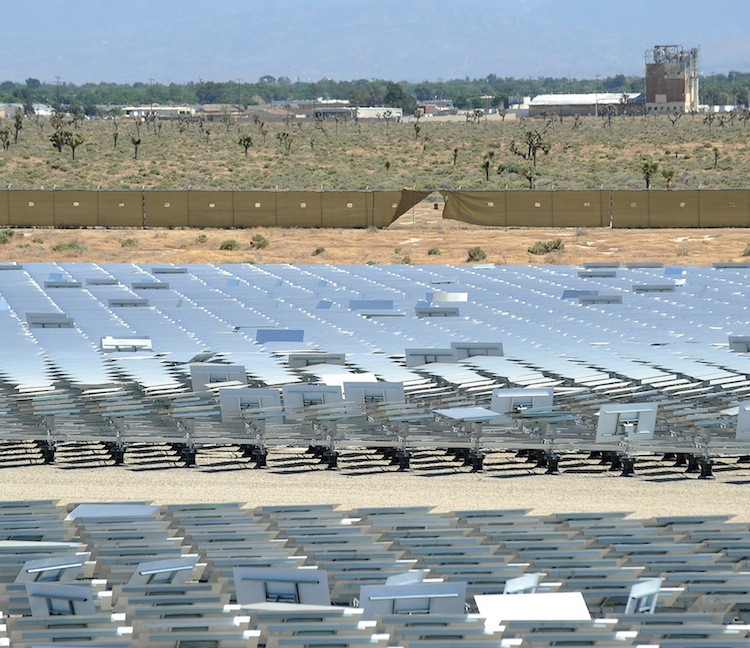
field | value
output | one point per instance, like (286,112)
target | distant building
(43,110)
(437,107)
(671,79)
(592,103)
(379,112)
(163,112)
(9,109)
(333,109)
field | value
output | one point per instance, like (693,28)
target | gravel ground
(365,480)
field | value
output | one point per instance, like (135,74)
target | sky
(127,41)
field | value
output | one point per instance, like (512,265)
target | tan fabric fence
(341,209)
(360,209)
(621,209)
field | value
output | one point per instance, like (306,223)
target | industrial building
(592,103)
(671,79)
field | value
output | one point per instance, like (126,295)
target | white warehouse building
(584,104)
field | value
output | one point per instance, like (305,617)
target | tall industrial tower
(671,79)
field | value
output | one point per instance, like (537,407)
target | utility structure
(671,79)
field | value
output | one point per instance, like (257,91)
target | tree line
(88,98)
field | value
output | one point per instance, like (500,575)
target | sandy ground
(652,492)
(291,478)
(410,240)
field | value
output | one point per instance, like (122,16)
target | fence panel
(580,209)
(4,215)
(76,208)
(210,209)
(528,208)
(299,209)
(31,208)
(673,209)
(166,208)
(255,209)
(345,209)
(476,207)
(120,208)
(724,208)
(384,204)
(630,209)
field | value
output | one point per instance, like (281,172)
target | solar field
(438,404)
(615,361)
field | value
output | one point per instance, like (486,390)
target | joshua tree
(74,140)
(674,117)
(668,175)
(533,142)
(245,142)
(285,139)
(5,138)
(57,120)
(486,165)
(607,113)
(17,124)
(528,172)
(455,155)
(319,122)
(716,157)
(58,139)
(136,142)
(417,128)
(648,169)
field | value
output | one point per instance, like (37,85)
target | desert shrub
(476,254)
(201,238)
(69,246)
(318,251)
(128,243)
(4,238)
(407,260)
(37,239)
(230,245)
(433,251)
(7,232)
(746,251)
(545,247)
(258,242)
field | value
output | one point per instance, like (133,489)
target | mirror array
(225,575)
(619,362)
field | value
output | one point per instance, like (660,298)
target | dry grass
(355,156)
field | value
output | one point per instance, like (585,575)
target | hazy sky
(220,40)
